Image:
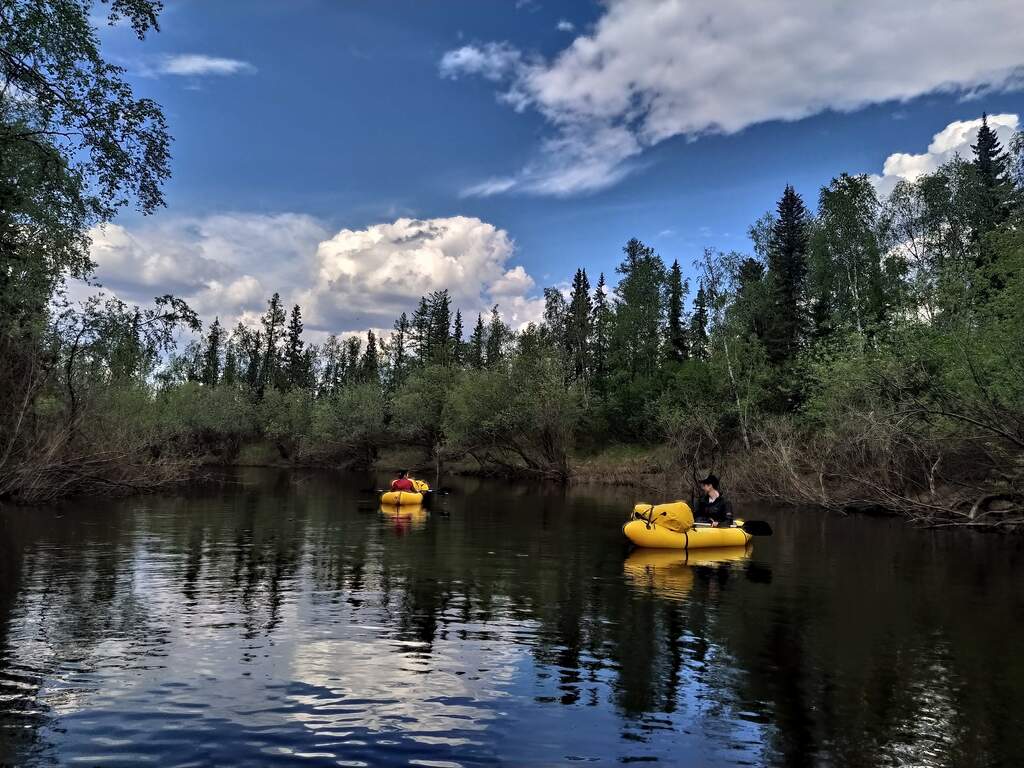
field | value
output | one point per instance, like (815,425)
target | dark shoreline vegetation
(866,355)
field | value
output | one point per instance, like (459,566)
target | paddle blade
(757,528)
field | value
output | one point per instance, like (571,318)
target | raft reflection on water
(406,516)
(669,573)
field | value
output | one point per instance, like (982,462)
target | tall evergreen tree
(273,331)
(787,269)
(419,330)
(431,328)
(399,349)
(212,354)
(295,368)
(477,344)
(639,311)
(352,370)
(370,364)
(994,200)
(601,339)
(441,326)
(677,337)
(699,325)
(579,326)
(458,351)
(497,335)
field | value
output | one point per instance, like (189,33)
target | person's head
(708,483)
(403,473)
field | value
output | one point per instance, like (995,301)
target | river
(281,618)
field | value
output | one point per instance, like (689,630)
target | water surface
(285,620)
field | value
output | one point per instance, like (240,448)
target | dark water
(283,622)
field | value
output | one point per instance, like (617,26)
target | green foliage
(215,419)
(351,424)
(418,407)
(521,415)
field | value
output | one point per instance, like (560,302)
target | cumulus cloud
(955,139)
(354,279)
(198,64)
(369,276)
(224,264)
(654,69)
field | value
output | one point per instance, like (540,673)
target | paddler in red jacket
(403,483)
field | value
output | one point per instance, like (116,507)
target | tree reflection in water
(281,604)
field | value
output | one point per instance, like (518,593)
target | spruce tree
(994,200)
(370,364)
(458,353)
(351,368)
(419,334)
(399,349)
(601,339)
(699,325)
(295,374)
(787,268)
(639,311)
(273,331)
(579,326)
(477,344)
(212,354)
(497,334)
(440,327)
(677,341)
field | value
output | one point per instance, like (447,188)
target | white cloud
(229,264)
(955,139)
(369,276)
(493,61)
(198,64)
(565,26)
(654,69)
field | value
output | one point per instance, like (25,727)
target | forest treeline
(867,351)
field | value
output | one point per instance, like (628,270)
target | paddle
(753,527)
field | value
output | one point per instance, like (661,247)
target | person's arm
(727,511)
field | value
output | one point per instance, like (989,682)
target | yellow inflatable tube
(403,498)
(671,526)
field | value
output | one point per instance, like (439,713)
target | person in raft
(713,508)
(403,483)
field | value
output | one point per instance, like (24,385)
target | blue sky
(598,122)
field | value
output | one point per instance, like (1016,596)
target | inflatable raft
(671,526)
(403,498)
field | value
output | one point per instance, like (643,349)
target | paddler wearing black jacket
(713,508)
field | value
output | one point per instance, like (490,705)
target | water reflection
(669,573)
(282,619)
